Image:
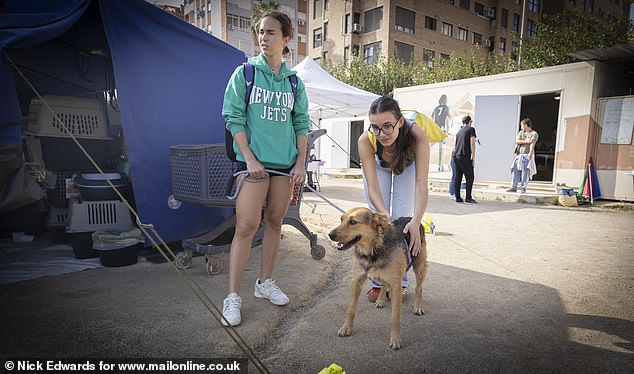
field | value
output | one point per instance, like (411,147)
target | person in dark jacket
(464,159)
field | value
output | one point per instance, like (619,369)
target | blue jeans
(524,174)
(452,189)
(398,195)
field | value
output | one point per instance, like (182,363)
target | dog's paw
(379,303)
(344,331)
(396,342)
(419,310)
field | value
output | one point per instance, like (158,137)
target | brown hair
(404,144)
(285,24)
(527,122)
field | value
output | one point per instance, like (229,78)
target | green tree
(260,8)
(557,35)
(390,73)
(570,31)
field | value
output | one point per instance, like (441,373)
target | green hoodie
(272,121)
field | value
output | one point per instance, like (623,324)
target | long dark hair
(285,22)
(404,144)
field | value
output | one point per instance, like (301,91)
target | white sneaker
(269,290)
(231,310)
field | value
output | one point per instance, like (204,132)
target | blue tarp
(169,78)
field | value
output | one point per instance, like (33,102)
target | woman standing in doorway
(269,133)
(395,160)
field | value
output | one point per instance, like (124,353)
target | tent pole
(591,183)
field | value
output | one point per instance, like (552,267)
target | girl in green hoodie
(269,133)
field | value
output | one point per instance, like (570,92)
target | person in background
(464,159)
(268,134)
(440,116)
(395,162)
(523,167)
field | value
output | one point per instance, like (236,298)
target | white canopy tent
(329,97)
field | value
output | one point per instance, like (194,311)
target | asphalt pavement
(511,287)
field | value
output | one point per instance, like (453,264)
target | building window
(430,23)
(478,9)
(463,34)
(447,29)
(346,24)
(404,51)
(531,28)
(444,57)
(504,20)
(325,36)
(326,4)
(346,54)
(324,55)
(372,52)
(317,41)
(355,51)
(533,6)
(591,6)
(502,47)
(405,20)
(477,38)
(317,9)
(428,57)
(516,22)
(373,19)
(238,23)
(465,4)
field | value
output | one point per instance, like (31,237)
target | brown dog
(380,254)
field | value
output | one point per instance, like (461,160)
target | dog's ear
(379,221)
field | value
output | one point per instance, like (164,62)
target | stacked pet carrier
(81,201)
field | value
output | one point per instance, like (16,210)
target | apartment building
(431,30)
(230,21)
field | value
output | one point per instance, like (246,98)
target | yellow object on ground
(565,200)
(428,224)
(332,369)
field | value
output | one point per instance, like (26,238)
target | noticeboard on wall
(617,119)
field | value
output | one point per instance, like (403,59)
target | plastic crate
(57,217)
(201,172)
(84,118)
(62,154)
(56,193)
(103,215)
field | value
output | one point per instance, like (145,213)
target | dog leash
(267,175)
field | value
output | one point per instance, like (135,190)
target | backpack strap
(293,79)
(249,76)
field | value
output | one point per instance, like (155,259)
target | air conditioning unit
(356,28)
(489,12)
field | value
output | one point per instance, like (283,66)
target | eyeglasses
(387,129)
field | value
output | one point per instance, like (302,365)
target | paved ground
(511,288)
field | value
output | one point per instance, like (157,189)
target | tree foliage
(567,32)
(390,73)
(260,8)
(557,35)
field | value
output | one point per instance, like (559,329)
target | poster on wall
(618,121)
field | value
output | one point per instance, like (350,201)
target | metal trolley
(202,174)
